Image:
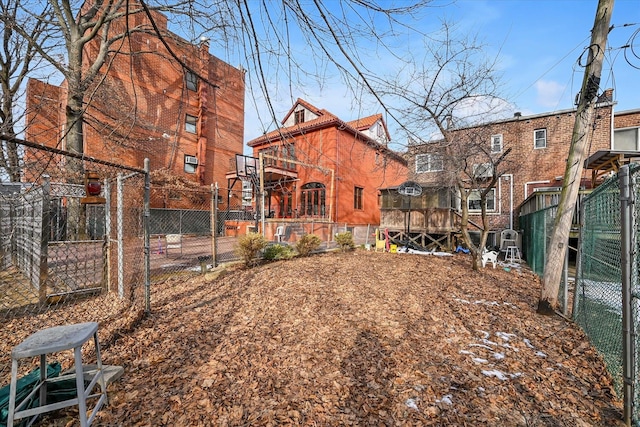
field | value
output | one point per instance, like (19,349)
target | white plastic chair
(279,233)
(174,241)
(508,238)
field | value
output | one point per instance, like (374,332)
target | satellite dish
(410,188)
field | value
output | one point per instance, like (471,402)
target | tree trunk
(580,141)
(75,143)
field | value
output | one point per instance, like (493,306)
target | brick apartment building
(320,168)
(148,105)
(539,148)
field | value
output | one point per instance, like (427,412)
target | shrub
(274,252)
(345,241)
(307,244)
(249,246)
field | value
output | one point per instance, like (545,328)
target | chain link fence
(181,241)
(603,280)
(71,246)
(599,297)
(536,234)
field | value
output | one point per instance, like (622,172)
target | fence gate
(67,256)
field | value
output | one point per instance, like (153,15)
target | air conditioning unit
(191,160)
(483,170)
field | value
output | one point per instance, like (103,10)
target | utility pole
(580,141)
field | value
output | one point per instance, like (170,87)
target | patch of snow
(501,375)
(488,342)
(479,360)
(447,399)
(510,347)
(467,352)
(541,354)
(498,356)
(481,346)
(495,373)
(528,343)
(485,333)
(411,403)
(464,301)
(505,336)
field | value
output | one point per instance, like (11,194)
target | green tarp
(56,391)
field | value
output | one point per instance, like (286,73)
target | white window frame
(190,123)
(491,198)
(536,138)
(629,129)
(496,143)
(431,163)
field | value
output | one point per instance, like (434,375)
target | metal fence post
(578,277)
(145,228)
(628,353)
(120,232)
(214,223)
(44,239)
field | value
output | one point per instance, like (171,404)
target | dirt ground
(358,338)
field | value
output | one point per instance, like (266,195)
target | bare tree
(18,59)
(454,82)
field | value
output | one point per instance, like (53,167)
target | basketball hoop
(410,188)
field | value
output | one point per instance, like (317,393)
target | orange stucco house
(320,169)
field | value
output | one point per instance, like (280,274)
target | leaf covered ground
(357,338)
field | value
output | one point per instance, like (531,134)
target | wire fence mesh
(537,228)
(68,256)
(599,303)
(180,238)
(599,291)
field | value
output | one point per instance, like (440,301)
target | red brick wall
(627,119)
(139,109)
(525,163)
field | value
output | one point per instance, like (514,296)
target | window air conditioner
(191,160)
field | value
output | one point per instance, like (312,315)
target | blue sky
(538,43)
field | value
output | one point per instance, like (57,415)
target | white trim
(526,189)
(498,135)
(546,138)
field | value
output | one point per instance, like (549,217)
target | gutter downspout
(509,177)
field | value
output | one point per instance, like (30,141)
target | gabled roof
(365,123)
(326,119)
(304,104)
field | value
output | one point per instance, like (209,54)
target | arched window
(312,201)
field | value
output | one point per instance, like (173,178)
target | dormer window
(380,130)
(299,116)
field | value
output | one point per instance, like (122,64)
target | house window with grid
(358,193)
(313,200)
(496,143)
(190,123)
(191,79)
(473,201)
(299,116)
(540,138)
(428,163)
